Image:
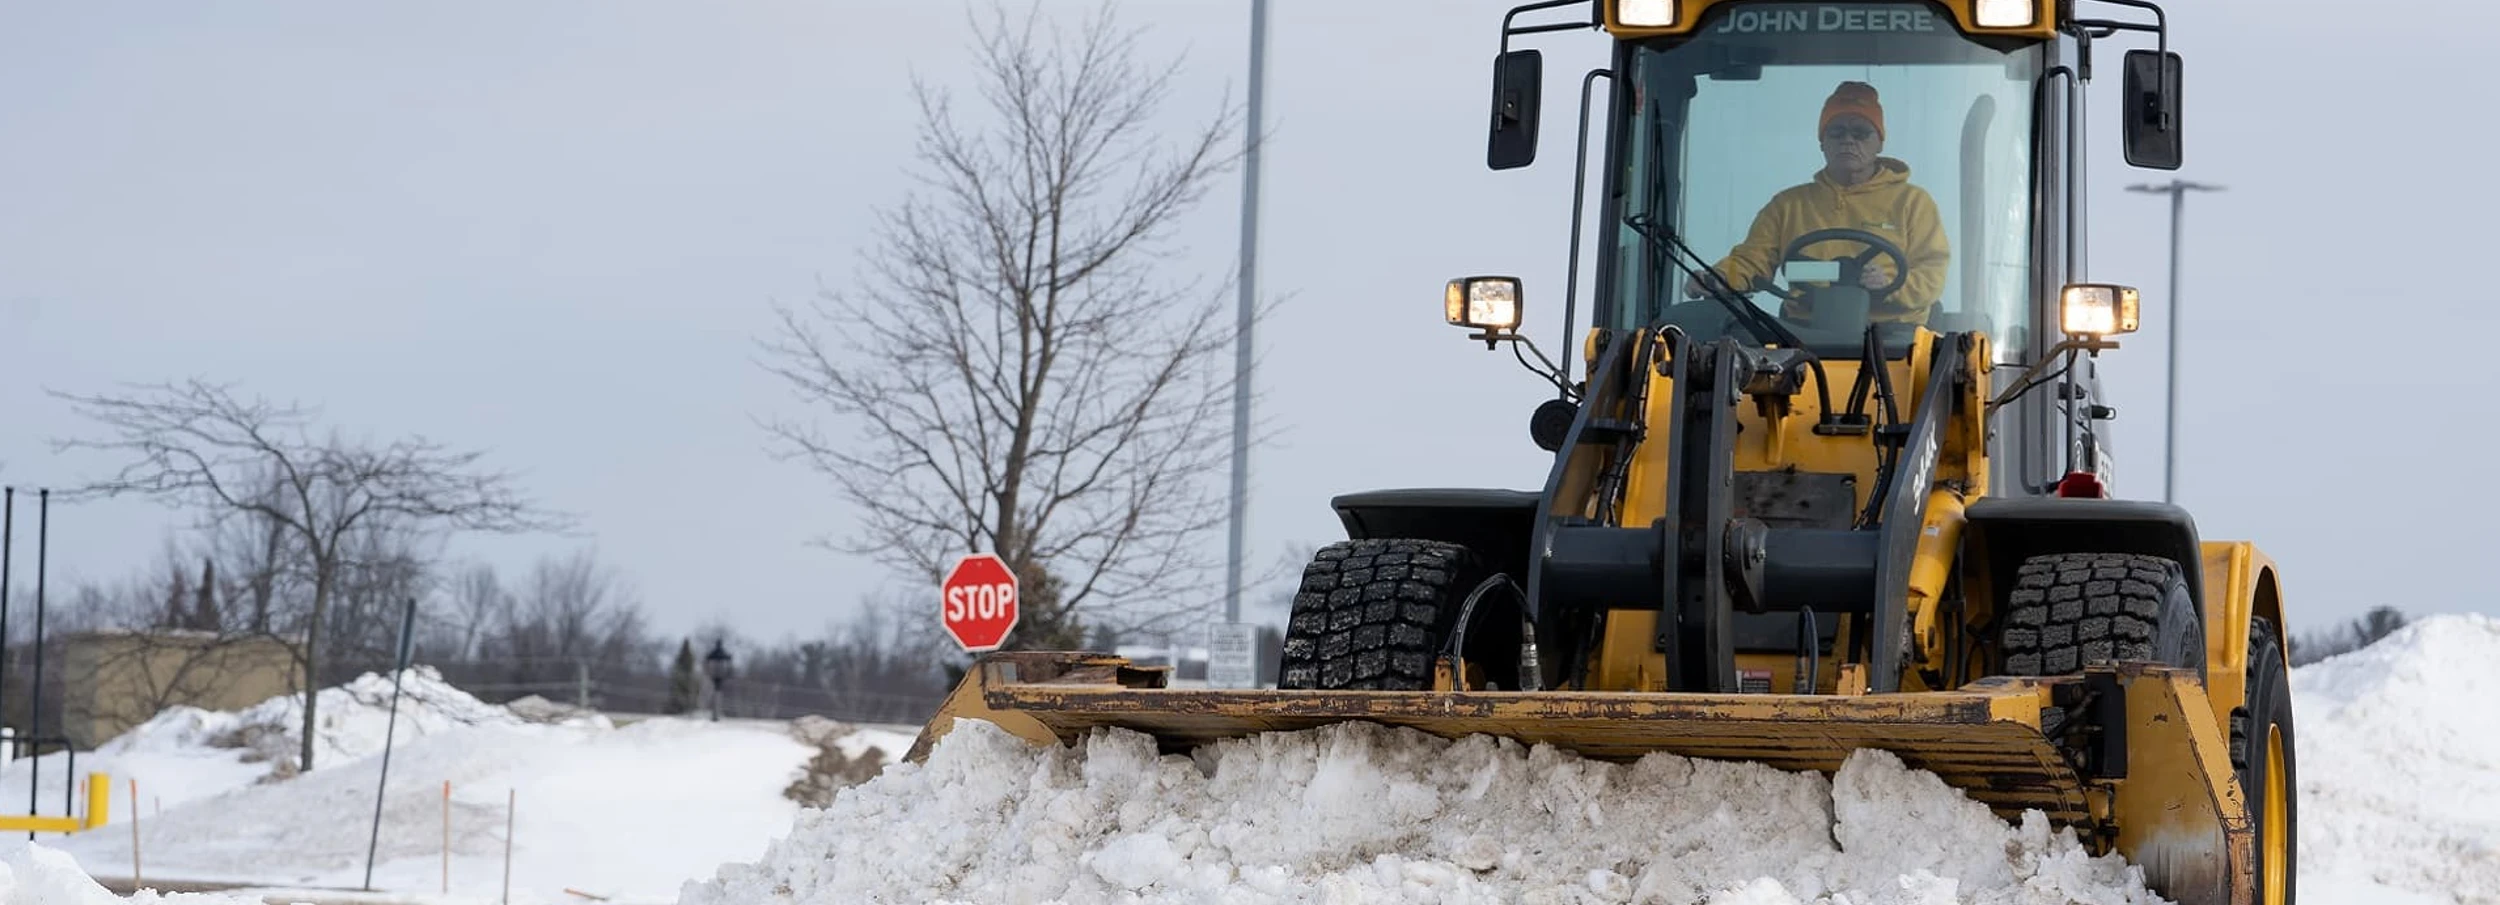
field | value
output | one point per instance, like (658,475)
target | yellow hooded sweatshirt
(1886,204)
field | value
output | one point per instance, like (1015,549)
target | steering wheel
(1875,245)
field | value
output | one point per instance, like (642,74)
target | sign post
(979,602)
(1233,655)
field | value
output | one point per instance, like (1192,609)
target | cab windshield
(1840,164)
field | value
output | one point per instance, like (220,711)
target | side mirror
(2098,311)
(2151,120)
(1489,305)
(1518,84)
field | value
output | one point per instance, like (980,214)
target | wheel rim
(2278,821)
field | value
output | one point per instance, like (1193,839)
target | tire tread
(1370,613)
(2072,610)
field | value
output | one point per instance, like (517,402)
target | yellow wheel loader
(1829,468)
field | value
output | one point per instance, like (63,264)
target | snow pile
(354,720)
(185,753)
(2400,764)
(627,812)
(38,875)
(1358,812)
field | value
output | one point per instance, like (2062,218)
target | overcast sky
(554,230)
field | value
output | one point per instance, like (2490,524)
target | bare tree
(477,598)
(581,610)
(383,566)
(196,444)
(1017,374)
(573,613)
(263,559)
(888,647)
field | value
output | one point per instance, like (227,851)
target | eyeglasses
(1848,133)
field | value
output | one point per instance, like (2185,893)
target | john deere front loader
(1829,464)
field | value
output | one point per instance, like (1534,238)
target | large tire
(2072,610)
(2261,739)
(1371,614)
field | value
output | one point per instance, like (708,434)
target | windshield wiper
(1764,328)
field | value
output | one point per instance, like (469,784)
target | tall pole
(390,730)
(34,700)
(1249,294)
(8,551)
(2177,190)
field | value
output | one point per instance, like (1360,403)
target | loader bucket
(2172,807)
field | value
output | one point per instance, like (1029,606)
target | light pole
(716,666)
(1249,293)
(2177,189)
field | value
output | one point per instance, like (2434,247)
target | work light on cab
(2100,309)
(1489,305)
(1646,13)
(2007,13)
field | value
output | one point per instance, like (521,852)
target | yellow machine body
(2136,755)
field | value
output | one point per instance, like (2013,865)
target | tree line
(2345,637)
(569,628)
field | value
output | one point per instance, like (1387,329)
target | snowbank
(39,875)
(628,813)
(2400,765)
(1364,813)
(354,720)
(185,753)
(188,753)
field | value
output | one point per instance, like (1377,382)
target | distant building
(114,680)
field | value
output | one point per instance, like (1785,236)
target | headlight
(2006,13)
(1646,13)
(2100,309)
(1490,304)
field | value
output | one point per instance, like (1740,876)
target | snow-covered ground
(39,875)
(628,812)
(2399,776)
(2400,767)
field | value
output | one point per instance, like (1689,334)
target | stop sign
(980,602)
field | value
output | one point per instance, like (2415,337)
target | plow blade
(2156,786)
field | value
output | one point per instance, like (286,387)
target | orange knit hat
(1853,97)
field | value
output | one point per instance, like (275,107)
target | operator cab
(1952,128)
(1840,164)
(1832,176)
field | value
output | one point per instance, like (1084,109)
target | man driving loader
(1857,189)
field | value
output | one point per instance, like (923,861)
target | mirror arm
(1509,29)
(2065,351)
(2160,27)
(1544,367)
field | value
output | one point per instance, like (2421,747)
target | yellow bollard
(99,800)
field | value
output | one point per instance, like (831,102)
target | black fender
(1498,525)
(2001,532)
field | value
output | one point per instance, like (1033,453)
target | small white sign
(1233,655)
(1811,271)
